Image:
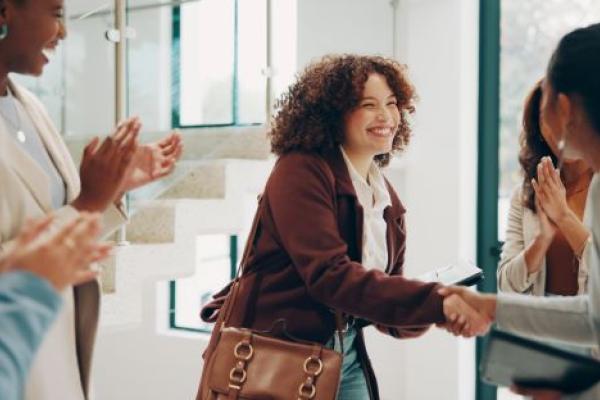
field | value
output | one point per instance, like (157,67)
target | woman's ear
(564,108)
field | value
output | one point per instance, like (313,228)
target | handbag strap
(339,319)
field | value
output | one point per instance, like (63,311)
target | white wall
(343,26)
(441,197)
(436,181)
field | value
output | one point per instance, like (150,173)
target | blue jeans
(353,385)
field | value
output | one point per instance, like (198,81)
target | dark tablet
(510,359)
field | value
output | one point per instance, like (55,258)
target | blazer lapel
(33,176)
(52,142)
(345,189)
(393,216)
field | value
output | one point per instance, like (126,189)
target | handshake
(468,313)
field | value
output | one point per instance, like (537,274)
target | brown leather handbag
(244,364)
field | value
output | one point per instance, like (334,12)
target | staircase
(213,190)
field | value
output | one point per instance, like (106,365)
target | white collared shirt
(374,197)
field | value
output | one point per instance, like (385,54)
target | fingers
(467,313)
(33,229)
(120,140)
(165,169)
(124,128)
(76,237)
(167,141)
(548,176)
(130,133)
(553,173)
(171,145)
(455,317)
(100,252)
(90,149)
(540,195)
(541,175)
(60,238)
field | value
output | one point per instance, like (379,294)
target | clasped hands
(551,200)
(467,313)
(119,164)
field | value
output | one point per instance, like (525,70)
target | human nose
(383,114)
(62,29)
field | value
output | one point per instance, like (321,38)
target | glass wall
(178,74)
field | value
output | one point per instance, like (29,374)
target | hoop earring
(3,31)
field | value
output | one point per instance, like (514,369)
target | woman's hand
(153,161)
(104,166)
(63,257)
(467,313)
(547,228)
(551,199)
(550,192)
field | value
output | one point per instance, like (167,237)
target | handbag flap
(274,369)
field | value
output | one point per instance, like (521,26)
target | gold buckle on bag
(313,361)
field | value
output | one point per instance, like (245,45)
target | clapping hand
(153,161)
(467,313)
(62,257)
(104,165)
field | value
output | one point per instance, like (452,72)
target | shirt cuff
(32,286)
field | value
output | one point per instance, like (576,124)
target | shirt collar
(377,183)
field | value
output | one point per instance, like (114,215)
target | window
(530,32)
(215,267)
(220,54)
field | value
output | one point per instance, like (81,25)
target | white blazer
(523,226)
(61,369)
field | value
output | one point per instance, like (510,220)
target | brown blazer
(304,261)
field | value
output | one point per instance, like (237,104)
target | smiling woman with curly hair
(329,232)
(310,115)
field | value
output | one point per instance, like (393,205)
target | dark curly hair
(533,145)
(310,115)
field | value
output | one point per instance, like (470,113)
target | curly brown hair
(533,145)
(310,115)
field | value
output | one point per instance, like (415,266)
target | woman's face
(563,118)
(549,121)
(34,30)
(370,128)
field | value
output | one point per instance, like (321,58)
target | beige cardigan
(522,227)
(62,365)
